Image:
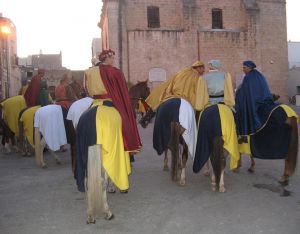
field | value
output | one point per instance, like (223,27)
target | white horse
(48,123)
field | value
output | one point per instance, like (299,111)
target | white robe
(77,108)
(49,120)
(188,121)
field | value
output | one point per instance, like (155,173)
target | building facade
(10,75)
(96,47)
(294,54)
(44,61)
(156,38)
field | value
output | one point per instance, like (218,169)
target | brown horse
(140,91)
(216,140)
(292,151)
(172,132)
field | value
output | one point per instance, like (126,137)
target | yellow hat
(198,64)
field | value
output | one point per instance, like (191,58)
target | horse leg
(39,147)
(184,159)
(108,213)
(252,166)
(223,165)
(213,181)
(291,159)
(218,160)
(43,145)
(166,167)
(22,139)
(206,169)
(110,186)
(57,161)
(96,186)
(238,166)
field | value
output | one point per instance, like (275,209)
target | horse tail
(93,183)
(216,158)
(293,147)
(174,147)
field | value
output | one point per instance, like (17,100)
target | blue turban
(250,64)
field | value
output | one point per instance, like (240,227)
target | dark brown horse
(292,149)
(139,91)
(172,133)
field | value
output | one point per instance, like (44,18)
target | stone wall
(252,29)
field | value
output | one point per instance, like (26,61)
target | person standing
(188,84)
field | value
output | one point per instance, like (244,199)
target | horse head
(145,120)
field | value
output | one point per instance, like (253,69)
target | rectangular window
(217,21)
(153,17)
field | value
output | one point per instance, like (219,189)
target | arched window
(153,17)
(217,18)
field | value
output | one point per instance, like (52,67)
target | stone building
(10,75)
(155,38)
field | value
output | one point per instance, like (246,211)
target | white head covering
(215,64)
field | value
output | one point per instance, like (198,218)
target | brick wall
(250,31)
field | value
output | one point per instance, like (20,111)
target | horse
(285,147)
(49,121)
(138,93)
(26,130)
(175,127)
(10,109)
(76,109)
(216,140)
(96,155)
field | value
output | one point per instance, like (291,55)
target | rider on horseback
(219,85)
(187,83)
(114,125)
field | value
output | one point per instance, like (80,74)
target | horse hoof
(109,216)
(283,182)
(222,189)
(251,170)
(124,191)
(90,220)
(58,162)
(182,183)
(44,166)
(285,193)
(111,190)
(213,188)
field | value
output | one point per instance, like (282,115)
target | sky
(55,25)
(70,25)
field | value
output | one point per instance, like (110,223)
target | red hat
(106,53)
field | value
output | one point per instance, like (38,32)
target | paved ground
(34,200)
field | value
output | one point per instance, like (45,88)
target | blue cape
(254,102)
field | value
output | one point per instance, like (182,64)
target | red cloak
(32,92)
(115,85)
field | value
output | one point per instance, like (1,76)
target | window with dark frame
(217,19)
(153,17)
